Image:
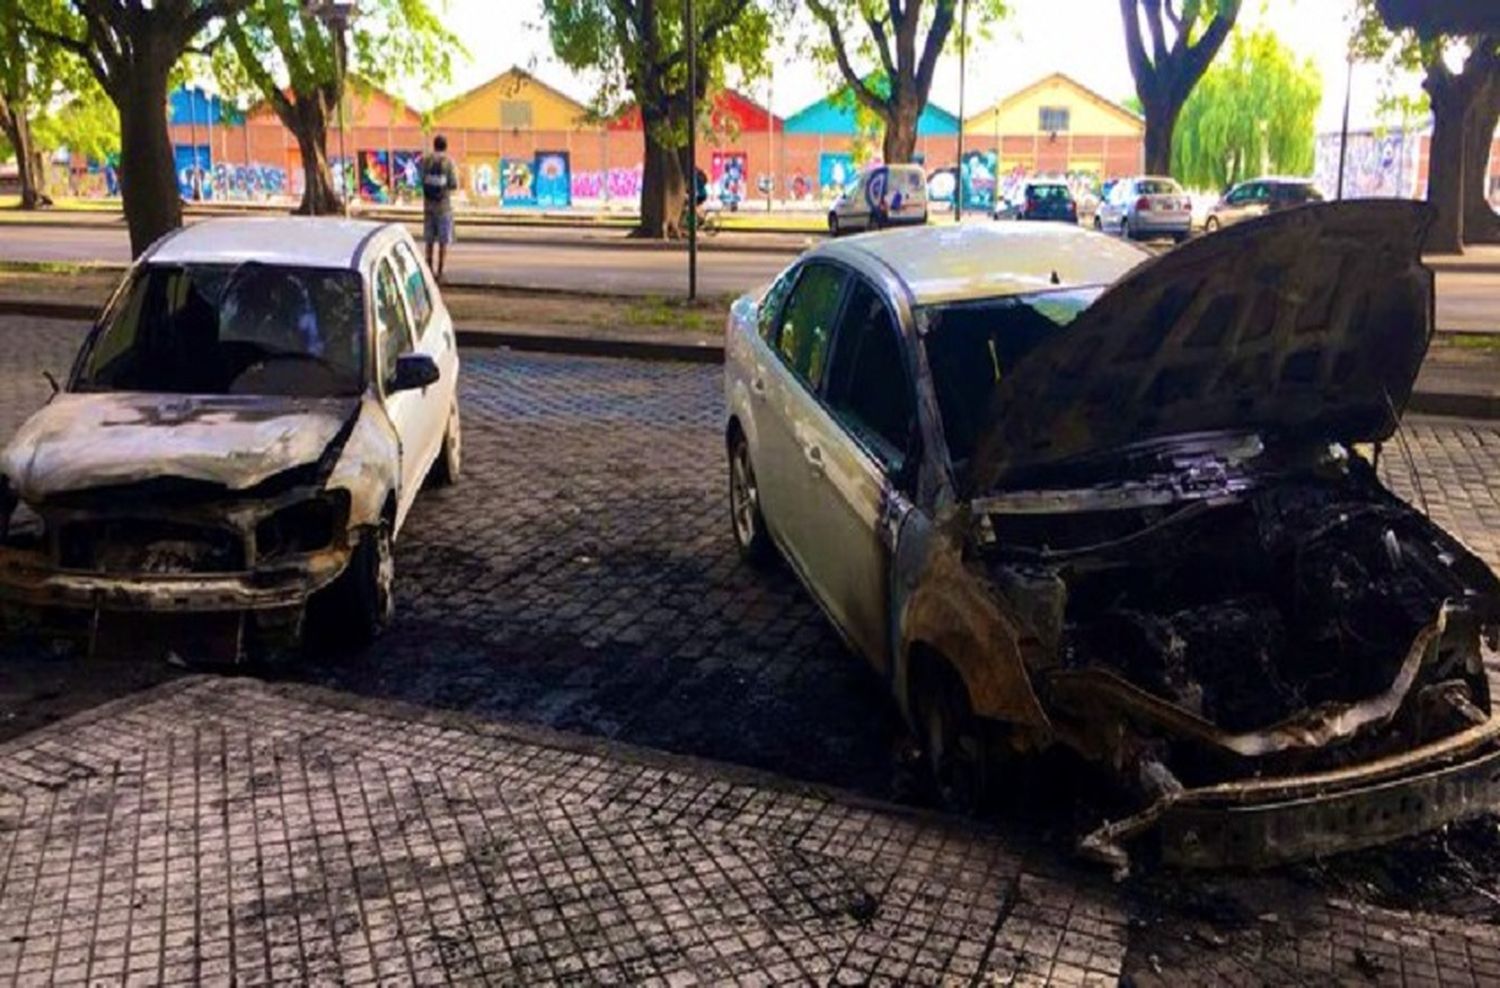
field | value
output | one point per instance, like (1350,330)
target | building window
(1054,119)
(515,114)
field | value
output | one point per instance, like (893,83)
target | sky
(1084,38)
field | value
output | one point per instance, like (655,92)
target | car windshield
(247,329)
(1157,187)
(971,346)
(1049,193)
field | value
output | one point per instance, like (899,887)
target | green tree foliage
(1253,111)
(638,50)
(1170,44)
(1465,107)
(887,53)
(280,53)
(35,71)
(87,124)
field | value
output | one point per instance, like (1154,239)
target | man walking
(439,179)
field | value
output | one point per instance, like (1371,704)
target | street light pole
(337,14)
(963,52)
(1344,133)
(692,176)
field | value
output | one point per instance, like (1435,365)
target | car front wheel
(1098,225)
(749,524)
(952,739)
(1211,224)
(833,224)
(363,599)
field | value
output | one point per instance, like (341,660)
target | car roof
(940,264)
(313,242)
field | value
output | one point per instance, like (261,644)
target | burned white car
(1060,492)
(239,442)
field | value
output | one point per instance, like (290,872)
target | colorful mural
(249,182)
(375,176)
(978,179)
(194,167)
(1377,165)
(406,174)
(517,182)
(484,181)
(835,172)
(727,176)
(617,183)
(553,183)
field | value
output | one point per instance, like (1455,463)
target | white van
(886,195)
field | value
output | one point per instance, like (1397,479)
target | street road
(1467,301)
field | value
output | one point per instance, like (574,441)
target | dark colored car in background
(1258,197)
(1040,201)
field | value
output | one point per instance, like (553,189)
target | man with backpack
(439,179)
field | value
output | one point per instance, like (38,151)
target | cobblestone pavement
(581,577)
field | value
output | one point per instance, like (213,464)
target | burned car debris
(1058,492)
(237,446)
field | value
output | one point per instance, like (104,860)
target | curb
(1447,404)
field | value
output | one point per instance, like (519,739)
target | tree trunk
(664,191)
(148,171)
(28,162)
(1445,177)
(308,122)
(900,143)
(1481,224)
(1161,123)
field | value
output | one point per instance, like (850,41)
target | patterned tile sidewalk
(225,831)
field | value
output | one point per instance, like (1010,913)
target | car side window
(393,328)
(414,284)
(807,322)
(770,306)
(1236,195)
(1260,192)
(869,389)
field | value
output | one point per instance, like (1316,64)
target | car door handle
(758,385)
(814,456)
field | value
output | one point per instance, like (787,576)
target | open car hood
(88,441)
(1310,324)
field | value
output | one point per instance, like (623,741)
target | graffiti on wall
(247,182)
(800,186)
(835,172)
(483,181)
(554,184)
(617,183)
(406,174)
(1376,166)
(727,170)
(375,176)
(517,182)
(194,170)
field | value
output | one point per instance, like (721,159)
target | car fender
(369,465)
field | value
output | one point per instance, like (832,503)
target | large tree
(1253,111)
(638,48)
(284,55)
(1465,104)
(1167,64)
(131,49)
(904,38)
(34,73)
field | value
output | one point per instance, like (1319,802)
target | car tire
(449,463)
(1098,225)
(745,518)
(1125,233)
(833,224)
(362,600)
(952,739)
(1211,225)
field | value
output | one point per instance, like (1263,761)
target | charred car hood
(1310,325)
(86,441)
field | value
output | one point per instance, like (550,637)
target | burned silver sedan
(1060,492)
(238,445)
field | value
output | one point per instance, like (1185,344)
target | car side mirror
(414,371)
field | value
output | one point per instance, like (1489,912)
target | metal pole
(692,177)
(770,136)
(1344,134)
(340,59)
(963,52)
(194,181)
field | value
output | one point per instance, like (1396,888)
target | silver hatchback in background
(1146,207)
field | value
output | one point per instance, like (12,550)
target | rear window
(1296,193)
(972,346)
(1157,187)
(1049,192)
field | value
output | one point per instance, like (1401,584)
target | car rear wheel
(1125,230)
(952,738)
(449,464)
(749,524)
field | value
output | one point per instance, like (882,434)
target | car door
(435,337)
(858,443)
(408,410)
(788,432)
(1115,212)
(1257,201)
(854,212)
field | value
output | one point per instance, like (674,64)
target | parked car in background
(1258,197)
(1201,586)
(886,195)
(1040,200)
(1146,207)
(238,446)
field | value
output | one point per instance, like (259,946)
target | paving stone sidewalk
(222,831)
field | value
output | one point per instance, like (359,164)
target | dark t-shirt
(439,179)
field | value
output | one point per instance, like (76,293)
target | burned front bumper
(1257,823)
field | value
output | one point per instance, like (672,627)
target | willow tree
(1254,111)
(131,49)
(1465,105)
(1170,44)
(638,49)
(281,53)
(887,52)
